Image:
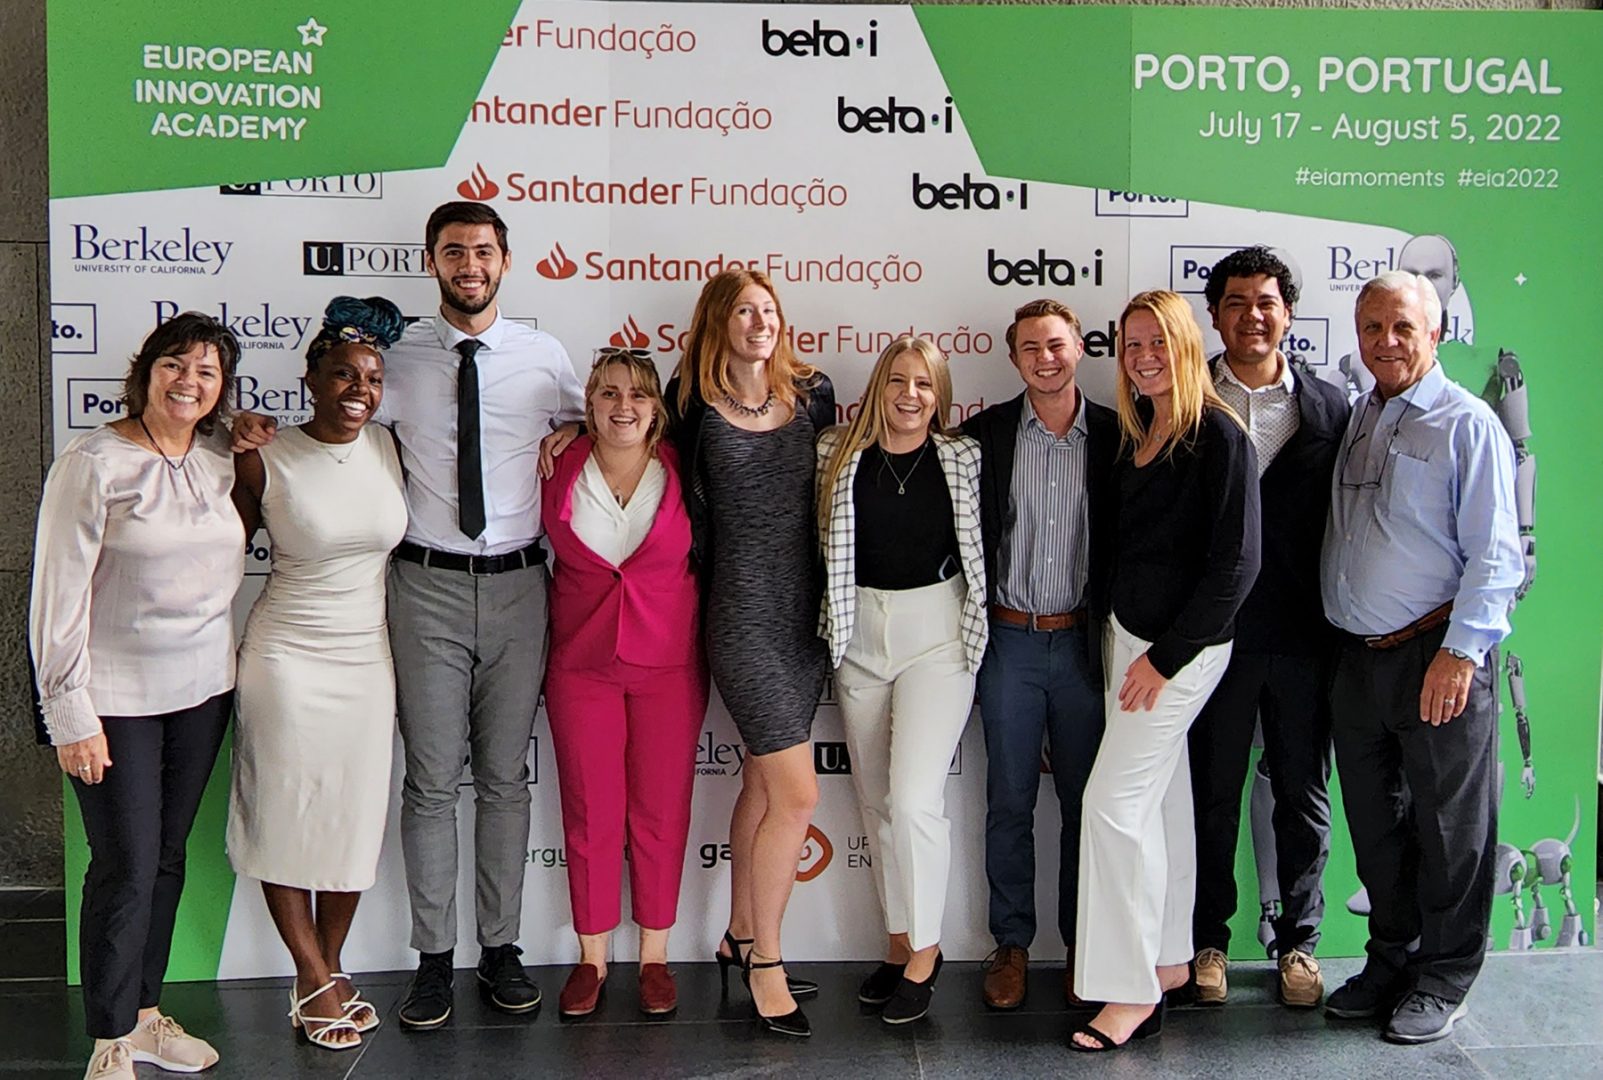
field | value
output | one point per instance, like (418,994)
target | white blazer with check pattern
(960,462)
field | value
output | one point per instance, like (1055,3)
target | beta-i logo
(478,186)
(968,194)
(820,40)
(74,328)
(629,335)
(816,854)
(893,118)
(1043,269)
(556,265)
(362,258)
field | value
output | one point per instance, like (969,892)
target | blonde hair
(870,423)
(1191,387)
(642,376)
(704,368)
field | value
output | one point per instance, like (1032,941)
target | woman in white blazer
(904,617)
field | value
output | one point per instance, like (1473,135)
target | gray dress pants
(469,657)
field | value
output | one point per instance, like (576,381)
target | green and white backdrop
(894,169)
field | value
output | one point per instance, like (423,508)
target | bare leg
(921,964)
(653,946)
(791,788)
(594,949)
(750,806)
(291,910)
(898,950)
(1118,1021)
(333,914)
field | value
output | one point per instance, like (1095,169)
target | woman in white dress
(312,742)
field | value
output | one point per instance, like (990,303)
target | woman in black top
(904,616)
(1187,554)
(745,414)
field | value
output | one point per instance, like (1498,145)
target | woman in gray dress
(746,413)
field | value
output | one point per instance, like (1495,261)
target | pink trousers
(625,741)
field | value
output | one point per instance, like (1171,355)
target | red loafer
(582,992)
(658,994)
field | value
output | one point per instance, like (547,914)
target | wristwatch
(1460,654)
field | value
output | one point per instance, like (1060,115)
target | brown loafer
(658,994)
(1004,977)
(582,992)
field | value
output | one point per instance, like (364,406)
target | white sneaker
(114,1061)
(161,1041)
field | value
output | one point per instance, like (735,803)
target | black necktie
(469,469)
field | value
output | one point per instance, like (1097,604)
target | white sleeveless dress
(316,691)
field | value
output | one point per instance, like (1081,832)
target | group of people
(1133,587)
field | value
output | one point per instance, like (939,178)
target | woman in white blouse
(138,556)
(626,683)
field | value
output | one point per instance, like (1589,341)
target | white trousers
(905,694)
(1138,848)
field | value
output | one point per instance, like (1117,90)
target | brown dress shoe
(582,992)
(658,994)
(1004,977)
(1301,984)
(1208,973)
(1070,998)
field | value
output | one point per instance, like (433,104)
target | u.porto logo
(361,258)
(556,265)
(819,40)
(831,759)
(816,855)
(629,335)
(893,118)
(478,186)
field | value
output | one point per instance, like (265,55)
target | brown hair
(463,213)
(642,376)
(704,368)
(1040,309)
(175,337)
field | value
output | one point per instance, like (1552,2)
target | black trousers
(1422,811)
(1290,694)
(137,820)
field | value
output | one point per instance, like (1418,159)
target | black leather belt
(477,565)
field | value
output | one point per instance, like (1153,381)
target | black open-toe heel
(1152,1025)
(798,988)
(793,1023)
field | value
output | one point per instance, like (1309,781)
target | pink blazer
(644,612)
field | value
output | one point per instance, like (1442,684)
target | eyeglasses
(1343,480)
(609,353)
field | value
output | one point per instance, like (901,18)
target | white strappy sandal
(325,1026)
(353,1007)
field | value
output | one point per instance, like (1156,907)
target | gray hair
(1402,281)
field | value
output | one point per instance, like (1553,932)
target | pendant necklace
(328,448)
(171,464)
(753,411)
(901,481)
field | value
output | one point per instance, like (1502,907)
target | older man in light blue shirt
(1420,563)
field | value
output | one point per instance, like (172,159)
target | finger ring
(83,768)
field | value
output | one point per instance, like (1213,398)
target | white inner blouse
(615,532)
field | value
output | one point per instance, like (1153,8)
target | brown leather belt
(1426,622)
(1035,622)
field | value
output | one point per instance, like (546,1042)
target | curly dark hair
(175,337)
(1250,262)
(374,322)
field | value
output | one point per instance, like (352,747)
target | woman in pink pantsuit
(626,682)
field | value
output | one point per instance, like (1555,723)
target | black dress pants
(1290,694)
(137,820)
(1421,809)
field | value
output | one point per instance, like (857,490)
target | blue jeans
(1034,686)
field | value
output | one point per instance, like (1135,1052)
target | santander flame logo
(556,265)
(478,186)
(629,336)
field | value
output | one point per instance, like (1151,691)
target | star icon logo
(1520,279)
(311,33)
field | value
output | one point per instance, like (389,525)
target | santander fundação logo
(629,336)
(478,186)
(556,266)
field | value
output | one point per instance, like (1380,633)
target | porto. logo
(73,328)
(892,118)
(1190,265)
(1042,269)
(478,186)
(358,258)
(819,40)
(816,854)
(831,759)
(967,194)
(92,402)
(629,336)
(556,266)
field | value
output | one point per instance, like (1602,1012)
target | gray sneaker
(1423,1017)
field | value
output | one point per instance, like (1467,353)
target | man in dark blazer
(1046,466)
(1280,666)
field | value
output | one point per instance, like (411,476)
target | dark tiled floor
(1532,1015)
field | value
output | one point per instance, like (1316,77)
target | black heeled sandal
(1152,1025)
(793,1023)
(799,988)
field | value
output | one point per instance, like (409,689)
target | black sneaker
(878,987)
(910,1000)
(428,1002)
(1364,996)
(1423,1017)
(504,983)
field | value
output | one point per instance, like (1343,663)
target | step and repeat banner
(894,170)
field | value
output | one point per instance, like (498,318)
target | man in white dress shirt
(470,396)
